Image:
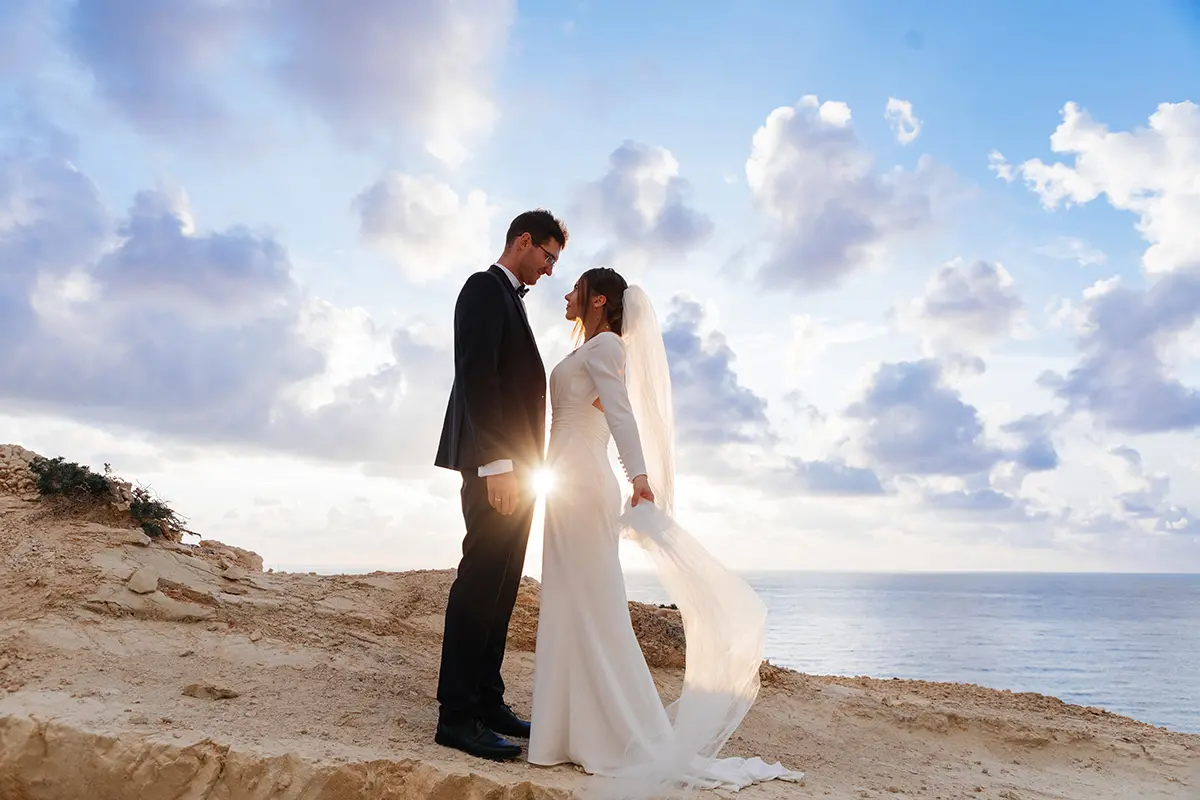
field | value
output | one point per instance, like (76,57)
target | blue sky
(231,234)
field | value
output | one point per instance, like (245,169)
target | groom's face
(536,260)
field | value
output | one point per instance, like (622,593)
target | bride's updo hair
(609,283)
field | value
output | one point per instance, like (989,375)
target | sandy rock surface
(132,668)
(15,477)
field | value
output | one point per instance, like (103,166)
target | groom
(494,434)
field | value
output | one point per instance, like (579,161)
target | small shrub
(59,478)
(155,516)
(66,478)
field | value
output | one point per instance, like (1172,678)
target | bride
(595,703)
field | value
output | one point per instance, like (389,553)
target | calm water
(1127,643)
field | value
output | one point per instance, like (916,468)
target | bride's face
(574,300)
(577,310)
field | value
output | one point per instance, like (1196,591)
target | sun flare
(543,482)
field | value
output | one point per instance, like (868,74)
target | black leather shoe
(474,738)
(503,721)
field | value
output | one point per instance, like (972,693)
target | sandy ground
(107,692)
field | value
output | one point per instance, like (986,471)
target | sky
(929,274)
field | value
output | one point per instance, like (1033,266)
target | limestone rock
(206,691)
(133,537)
(129,765)
(15,477)
(115,600)
(116,535)
(230,555)
(144,581)
(234,573)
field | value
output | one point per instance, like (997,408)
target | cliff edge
(137,666)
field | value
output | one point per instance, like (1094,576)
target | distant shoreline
(365,570)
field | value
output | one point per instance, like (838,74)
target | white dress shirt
(511,278)
(502,465)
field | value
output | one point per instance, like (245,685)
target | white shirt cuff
(496,468)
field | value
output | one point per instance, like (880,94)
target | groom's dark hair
(541,225)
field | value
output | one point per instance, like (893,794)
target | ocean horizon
(1125,642)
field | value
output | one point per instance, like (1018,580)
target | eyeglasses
(551,259)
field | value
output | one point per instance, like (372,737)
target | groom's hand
(502,492)
(641,490)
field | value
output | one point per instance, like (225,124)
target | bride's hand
(641,490)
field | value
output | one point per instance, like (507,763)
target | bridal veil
(723,618)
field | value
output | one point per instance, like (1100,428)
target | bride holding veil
(595,703)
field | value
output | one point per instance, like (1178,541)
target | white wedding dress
(595,703)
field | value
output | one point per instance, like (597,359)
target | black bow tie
(521,290)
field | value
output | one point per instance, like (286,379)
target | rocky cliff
(139,667)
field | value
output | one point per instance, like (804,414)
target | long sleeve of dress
(605,361)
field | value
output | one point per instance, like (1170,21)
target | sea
(1126,643)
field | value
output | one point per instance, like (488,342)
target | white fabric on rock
(595,703)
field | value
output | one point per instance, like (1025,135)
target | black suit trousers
(481,602)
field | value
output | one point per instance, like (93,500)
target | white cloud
(832,211)
(155,62)
(835,477)
(899,114)
(424,225)
(1070,248)
(1140,507)
(642,204)
(1149,171)
(163,261)
(373,70)
(913,423)
(966,306)
(373,66)
(196,335)
(1121,377)
(809,343)
(712,407)
(724,430)
(832,112)
(168,328)
(178,327)
(26,30)
(389,416)
(1126,378)
(353,345)
(1102,287)
(812,338)
(1063,313)
(998,164)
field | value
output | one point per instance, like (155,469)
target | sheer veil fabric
(724,620)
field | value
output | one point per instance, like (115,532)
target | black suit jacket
(497,405)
